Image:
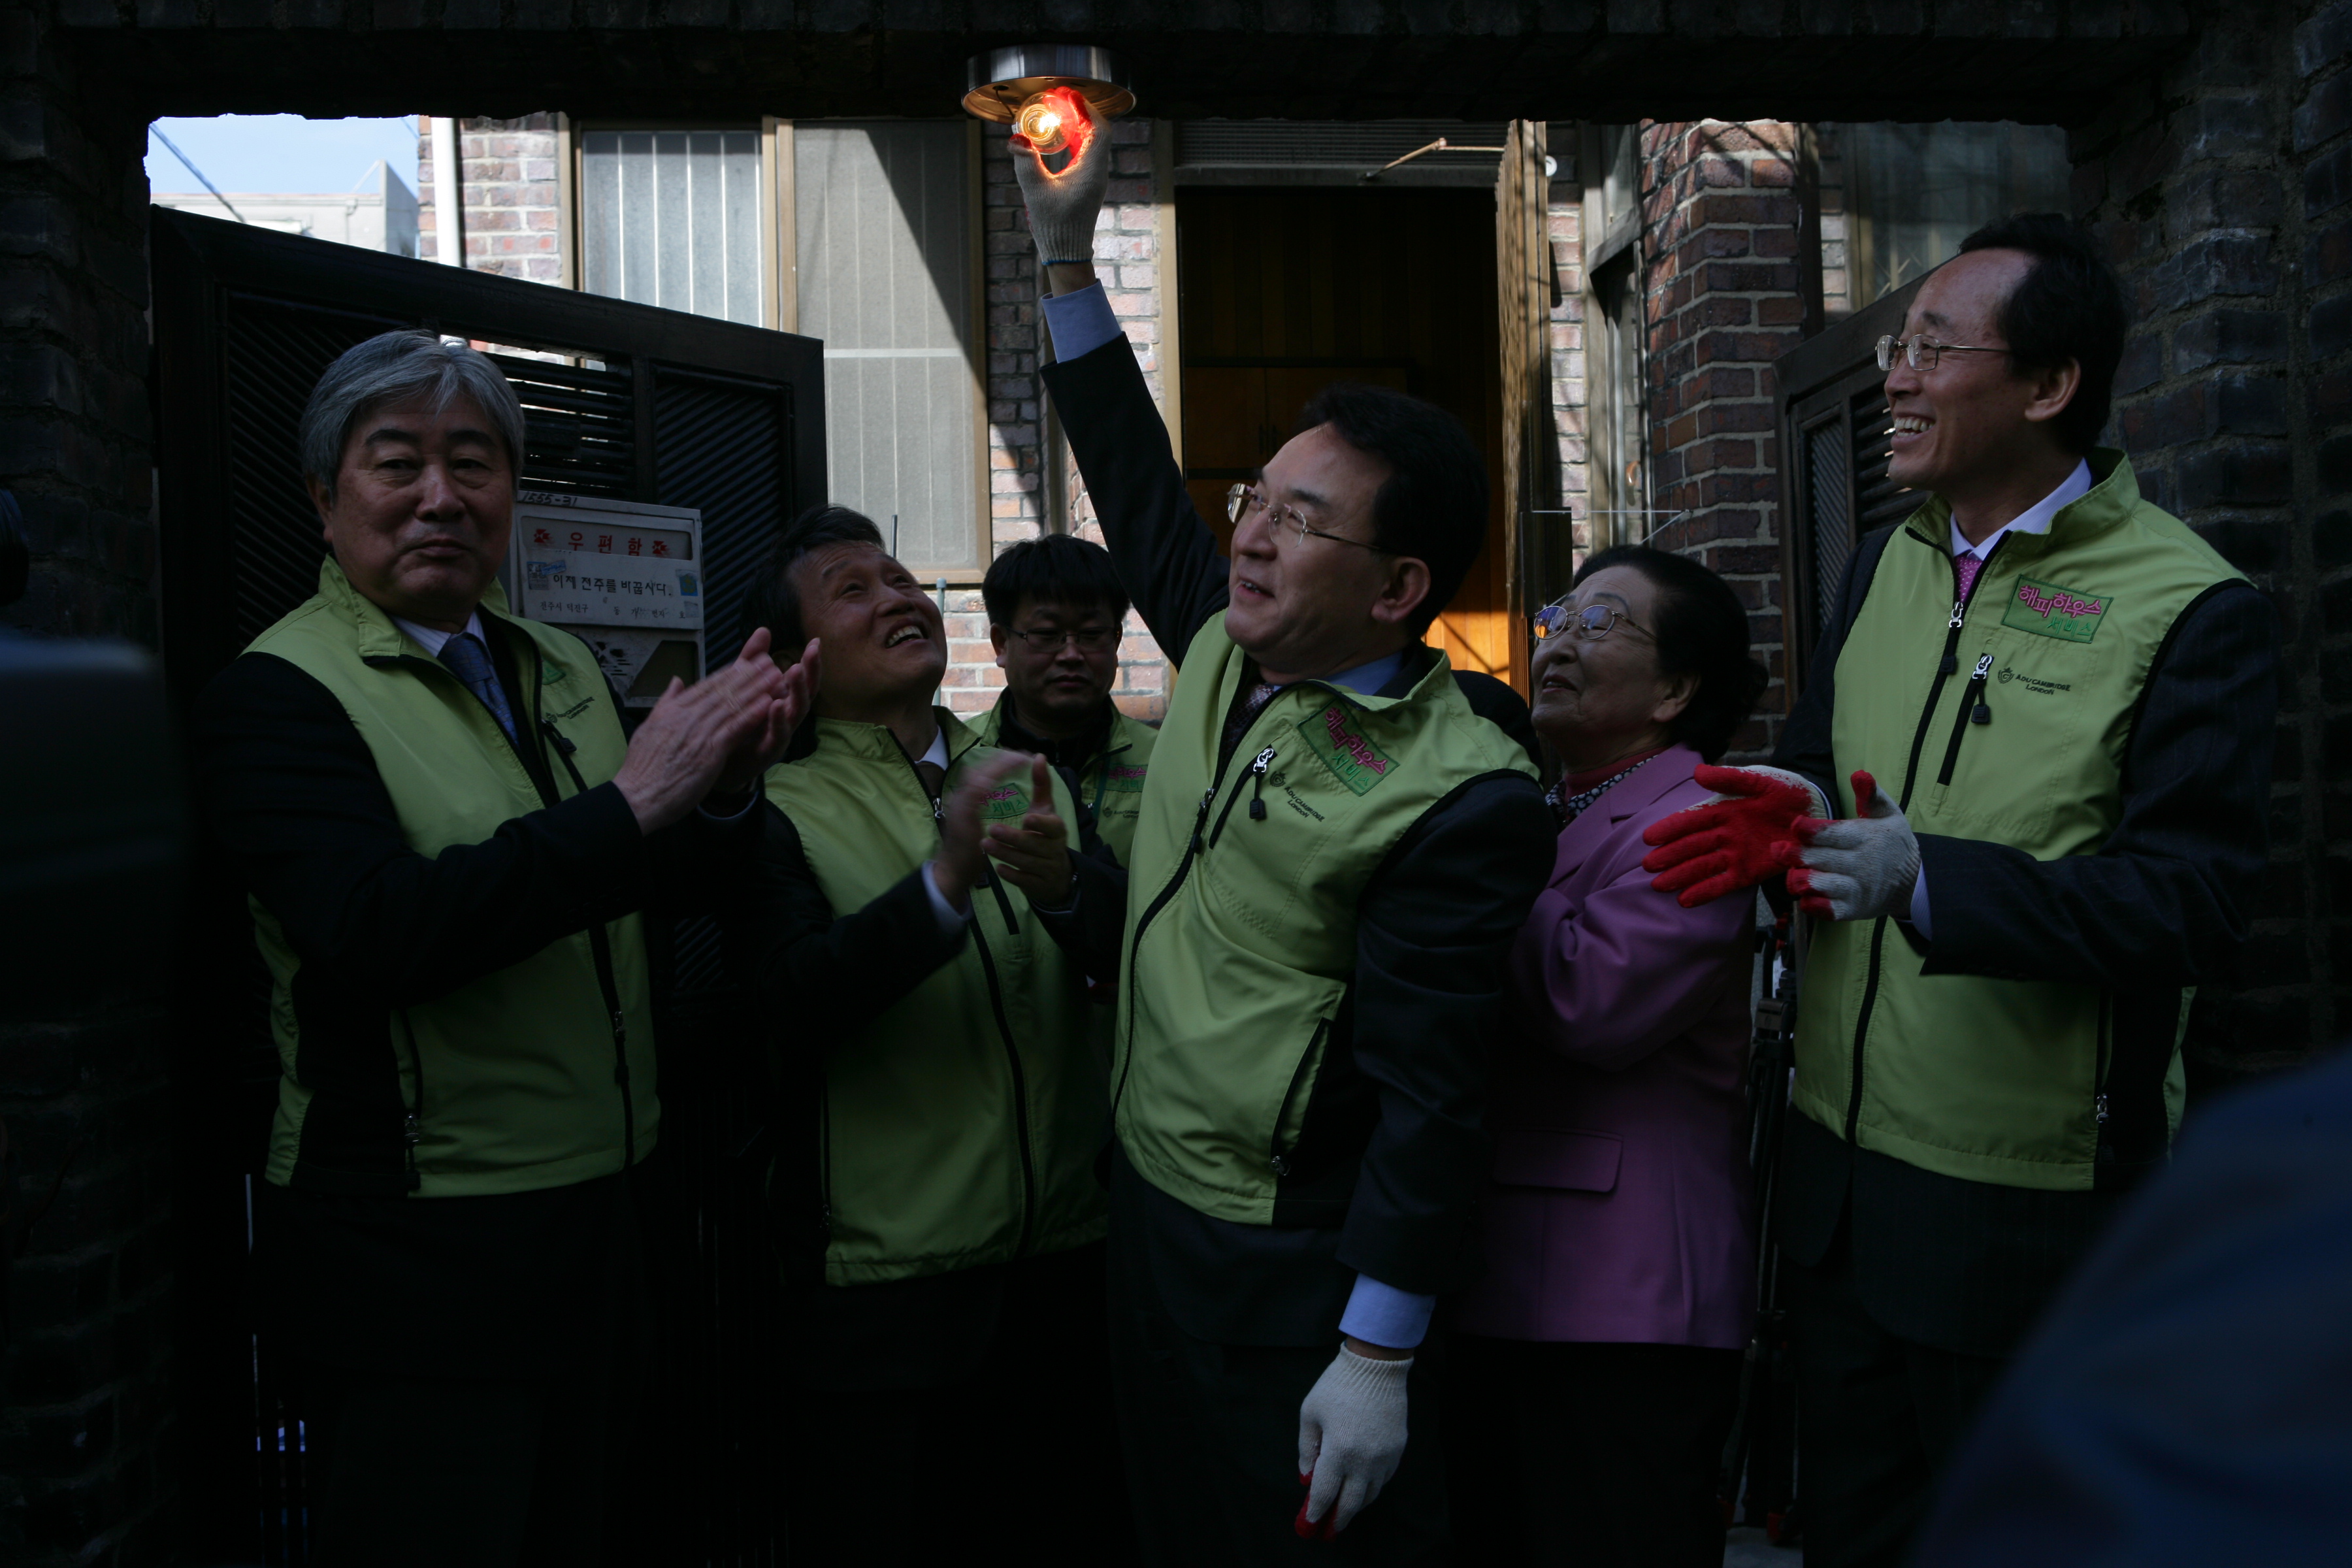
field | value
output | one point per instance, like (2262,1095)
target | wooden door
(1286,291)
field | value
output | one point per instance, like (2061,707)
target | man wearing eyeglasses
(1055,607)
(2043,709)
(1334,854)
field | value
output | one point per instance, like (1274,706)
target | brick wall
(1723,301)
(507,167)
(80,1089)
(2236,262)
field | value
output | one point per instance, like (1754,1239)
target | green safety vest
(1111,783)
(518,1086)
(1989,1079)
(961,1125)
(1241,936)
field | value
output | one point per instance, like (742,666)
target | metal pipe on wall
(449,195)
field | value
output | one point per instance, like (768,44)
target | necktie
(934,777)
(1968,566)
(1251,706)
(470,662)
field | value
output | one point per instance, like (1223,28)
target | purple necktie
(1968,566)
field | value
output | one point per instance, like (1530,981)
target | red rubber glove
(1747,835)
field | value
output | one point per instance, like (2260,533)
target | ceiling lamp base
(1005,81)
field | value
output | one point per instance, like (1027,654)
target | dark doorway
(1285,290)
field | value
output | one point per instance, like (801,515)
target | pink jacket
(1618,1205)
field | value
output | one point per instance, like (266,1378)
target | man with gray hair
(448,840)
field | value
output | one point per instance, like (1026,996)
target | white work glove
(1063,207)
(1859,868)
(1350,1436)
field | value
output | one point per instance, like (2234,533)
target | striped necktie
(470,662)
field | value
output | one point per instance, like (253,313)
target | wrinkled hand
(1744,836)
(1034,853)
(1350,1439)
(1063,206)
(760,747)
(963,860)
(693,731)
(1861,868)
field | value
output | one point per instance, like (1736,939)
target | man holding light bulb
(1335,853)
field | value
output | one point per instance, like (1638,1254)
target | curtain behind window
(673,218)
(882,213)
(1914,192)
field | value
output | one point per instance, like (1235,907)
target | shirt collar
(433,641)
(2035,519)
(938,755)
(1367,679)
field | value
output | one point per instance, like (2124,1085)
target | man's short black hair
(1053,569)
(1433,506)
(2069,306)
(773,601)
(1702,630)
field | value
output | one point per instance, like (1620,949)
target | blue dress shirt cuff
(1919,907)
(1383,1315)
(1080,322)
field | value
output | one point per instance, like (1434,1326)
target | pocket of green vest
(1555,1157)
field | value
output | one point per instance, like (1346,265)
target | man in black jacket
(1309,975)
(448,842)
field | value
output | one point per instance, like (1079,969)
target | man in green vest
(944,1096)
(447,842)
(1334,854)
(2041,717)
(1056,608)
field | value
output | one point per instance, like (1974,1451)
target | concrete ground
(1746,1547)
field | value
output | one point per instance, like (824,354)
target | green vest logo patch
(2046,609)
(1126,778)
(1354,761)
(1005,803)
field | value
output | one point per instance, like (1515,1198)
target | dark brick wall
(73,341)
(2222,187)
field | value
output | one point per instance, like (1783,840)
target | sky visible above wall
(279,154)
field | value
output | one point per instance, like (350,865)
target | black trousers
(463,1473)
(1211,1433)
(1603,1455)
(1878,1417)
(961,1417)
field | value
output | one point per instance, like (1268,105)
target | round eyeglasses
(1242,501)
(1090,639)
(1921,352)
(1589,624)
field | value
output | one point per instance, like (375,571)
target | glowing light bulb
(1041,123)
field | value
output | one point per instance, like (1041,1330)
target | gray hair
(402,367)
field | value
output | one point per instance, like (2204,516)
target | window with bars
(1914,192)
(675,218)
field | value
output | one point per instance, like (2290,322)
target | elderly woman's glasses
(1589,624)
(1921,352)
(1242,501)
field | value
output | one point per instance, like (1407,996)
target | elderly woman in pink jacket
(1597,1362)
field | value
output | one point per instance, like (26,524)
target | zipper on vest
(1020,1092)
(2102,1150)
(412,1131)
(1256,774)
(1946,667)
(600,947)
(1974,710)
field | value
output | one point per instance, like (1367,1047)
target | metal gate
(621,400)
(1834,430)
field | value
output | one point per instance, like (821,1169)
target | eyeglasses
(1921,352)
(1090,639)
(1589,624)
(1241,500)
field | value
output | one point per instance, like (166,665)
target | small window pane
(885,276)
(1914,192)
